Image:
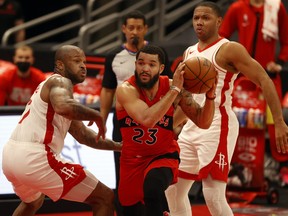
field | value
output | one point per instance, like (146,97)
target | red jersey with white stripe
(209,151)
(45,126)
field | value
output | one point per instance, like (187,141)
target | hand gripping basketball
(199,75)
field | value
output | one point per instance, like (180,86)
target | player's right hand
(101,129)
(178,78)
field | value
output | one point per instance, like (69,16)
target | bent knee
(36,204)
(101,195)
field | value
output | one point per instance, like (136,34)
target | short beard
(74,79)
(147,85)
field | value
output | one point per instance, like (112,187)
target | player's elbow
(204,123)
(149,122)
(204,126)
(63,110)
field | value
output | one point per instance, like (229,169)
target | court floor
(257,207)
(201,210)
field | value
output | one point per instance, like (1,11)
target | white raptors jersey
(40,124)
(211,144)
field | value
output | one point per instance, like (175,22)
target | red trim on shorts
(218,168)
(188,176)
(71,174)
(220,164)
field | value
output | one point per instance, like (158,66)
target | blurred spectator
(18,84)
(11,15)
(259,28)
(6,65)
(261,25)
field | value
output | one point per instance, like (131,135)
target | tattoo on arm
(87,136)
(188,104)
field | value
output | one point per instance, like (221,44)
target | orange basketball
(199,75)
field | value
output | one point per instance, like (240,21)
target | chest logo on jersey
(245,21)
(130,122)
(20,95)
(165,122)
(221,161)
(68,172)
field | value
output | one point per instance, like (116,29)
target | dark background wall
(44,57)
(34,8)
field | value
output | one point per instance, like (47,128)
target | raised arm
(128,98)
(201,116)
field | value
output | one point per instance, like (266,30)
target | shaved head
(63,52)
(70,62)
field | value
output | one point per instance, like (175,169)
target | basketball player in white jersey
(31,157)
(206,154)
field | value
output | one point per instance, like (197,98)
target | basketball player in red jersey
(31,157)
(206,154)
(145,106)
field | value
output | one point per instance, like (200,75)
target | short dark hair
(154,50)
(211,5)
(134,15)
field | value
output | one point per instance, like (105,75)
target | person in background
(261,25)
(32,159)
(11,15)
(119,66)
(145,105)
(206,154)
(18,84)
(6,65)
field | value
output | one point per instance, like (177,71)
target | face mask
(23,66)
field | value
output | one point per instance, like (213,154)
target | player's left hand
(178,78)
(281,133)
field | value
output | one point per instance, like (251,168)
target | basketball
(199,75)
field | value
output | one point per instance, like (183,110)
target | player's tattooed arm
(188,104)
(63,103)
(202,116)
(87,136)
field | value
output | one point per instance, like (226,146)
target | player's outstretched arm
(87,136)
